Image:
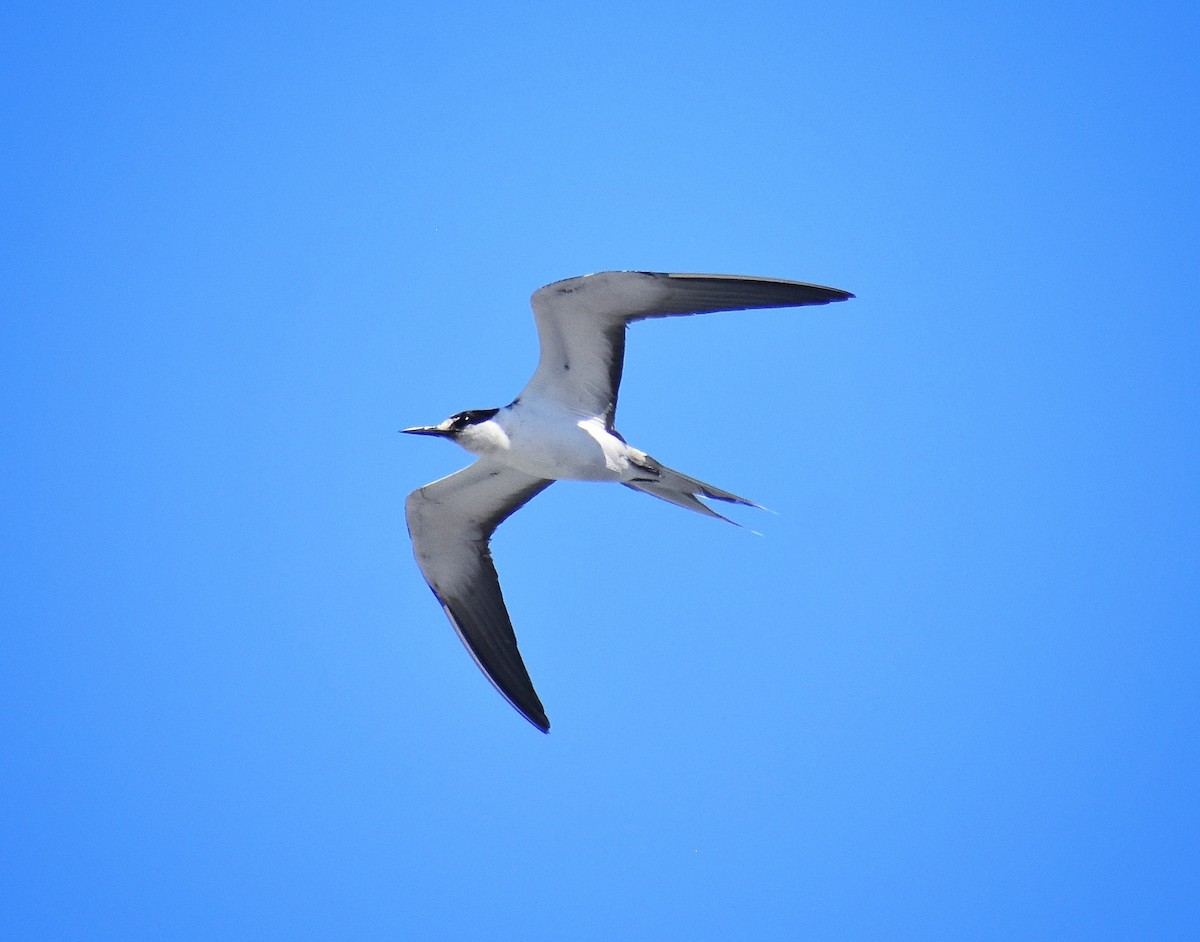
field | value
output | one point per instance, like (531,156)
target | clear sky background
(951,692)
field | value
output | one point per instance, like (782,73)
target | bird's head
(473,430)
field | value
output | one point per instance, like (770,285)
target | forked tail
(661,482)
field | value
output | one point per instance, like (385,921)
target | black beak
(426,430)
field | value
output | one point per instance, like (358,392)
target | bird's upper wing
(450,522)
(581,323)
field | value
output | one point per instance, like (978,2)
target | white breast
(549,441)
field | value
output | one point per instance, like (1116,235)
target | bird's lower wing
(581,323)
(451,522)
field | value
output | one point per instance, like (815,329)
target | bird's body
(543,438)
(560,427)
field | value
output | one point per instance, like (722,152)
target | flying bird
(560,426)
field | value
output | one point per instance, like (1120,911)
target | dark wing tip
(783,284)
(700,294)
(536,716)
(493,648)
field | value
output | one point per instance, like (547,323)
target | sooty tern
(560,427)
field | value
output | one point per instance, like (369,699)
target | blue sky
(950,692)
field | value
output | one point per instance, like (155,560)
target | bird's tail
(679,489)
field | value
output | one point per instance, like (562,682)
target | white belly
(558,445)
